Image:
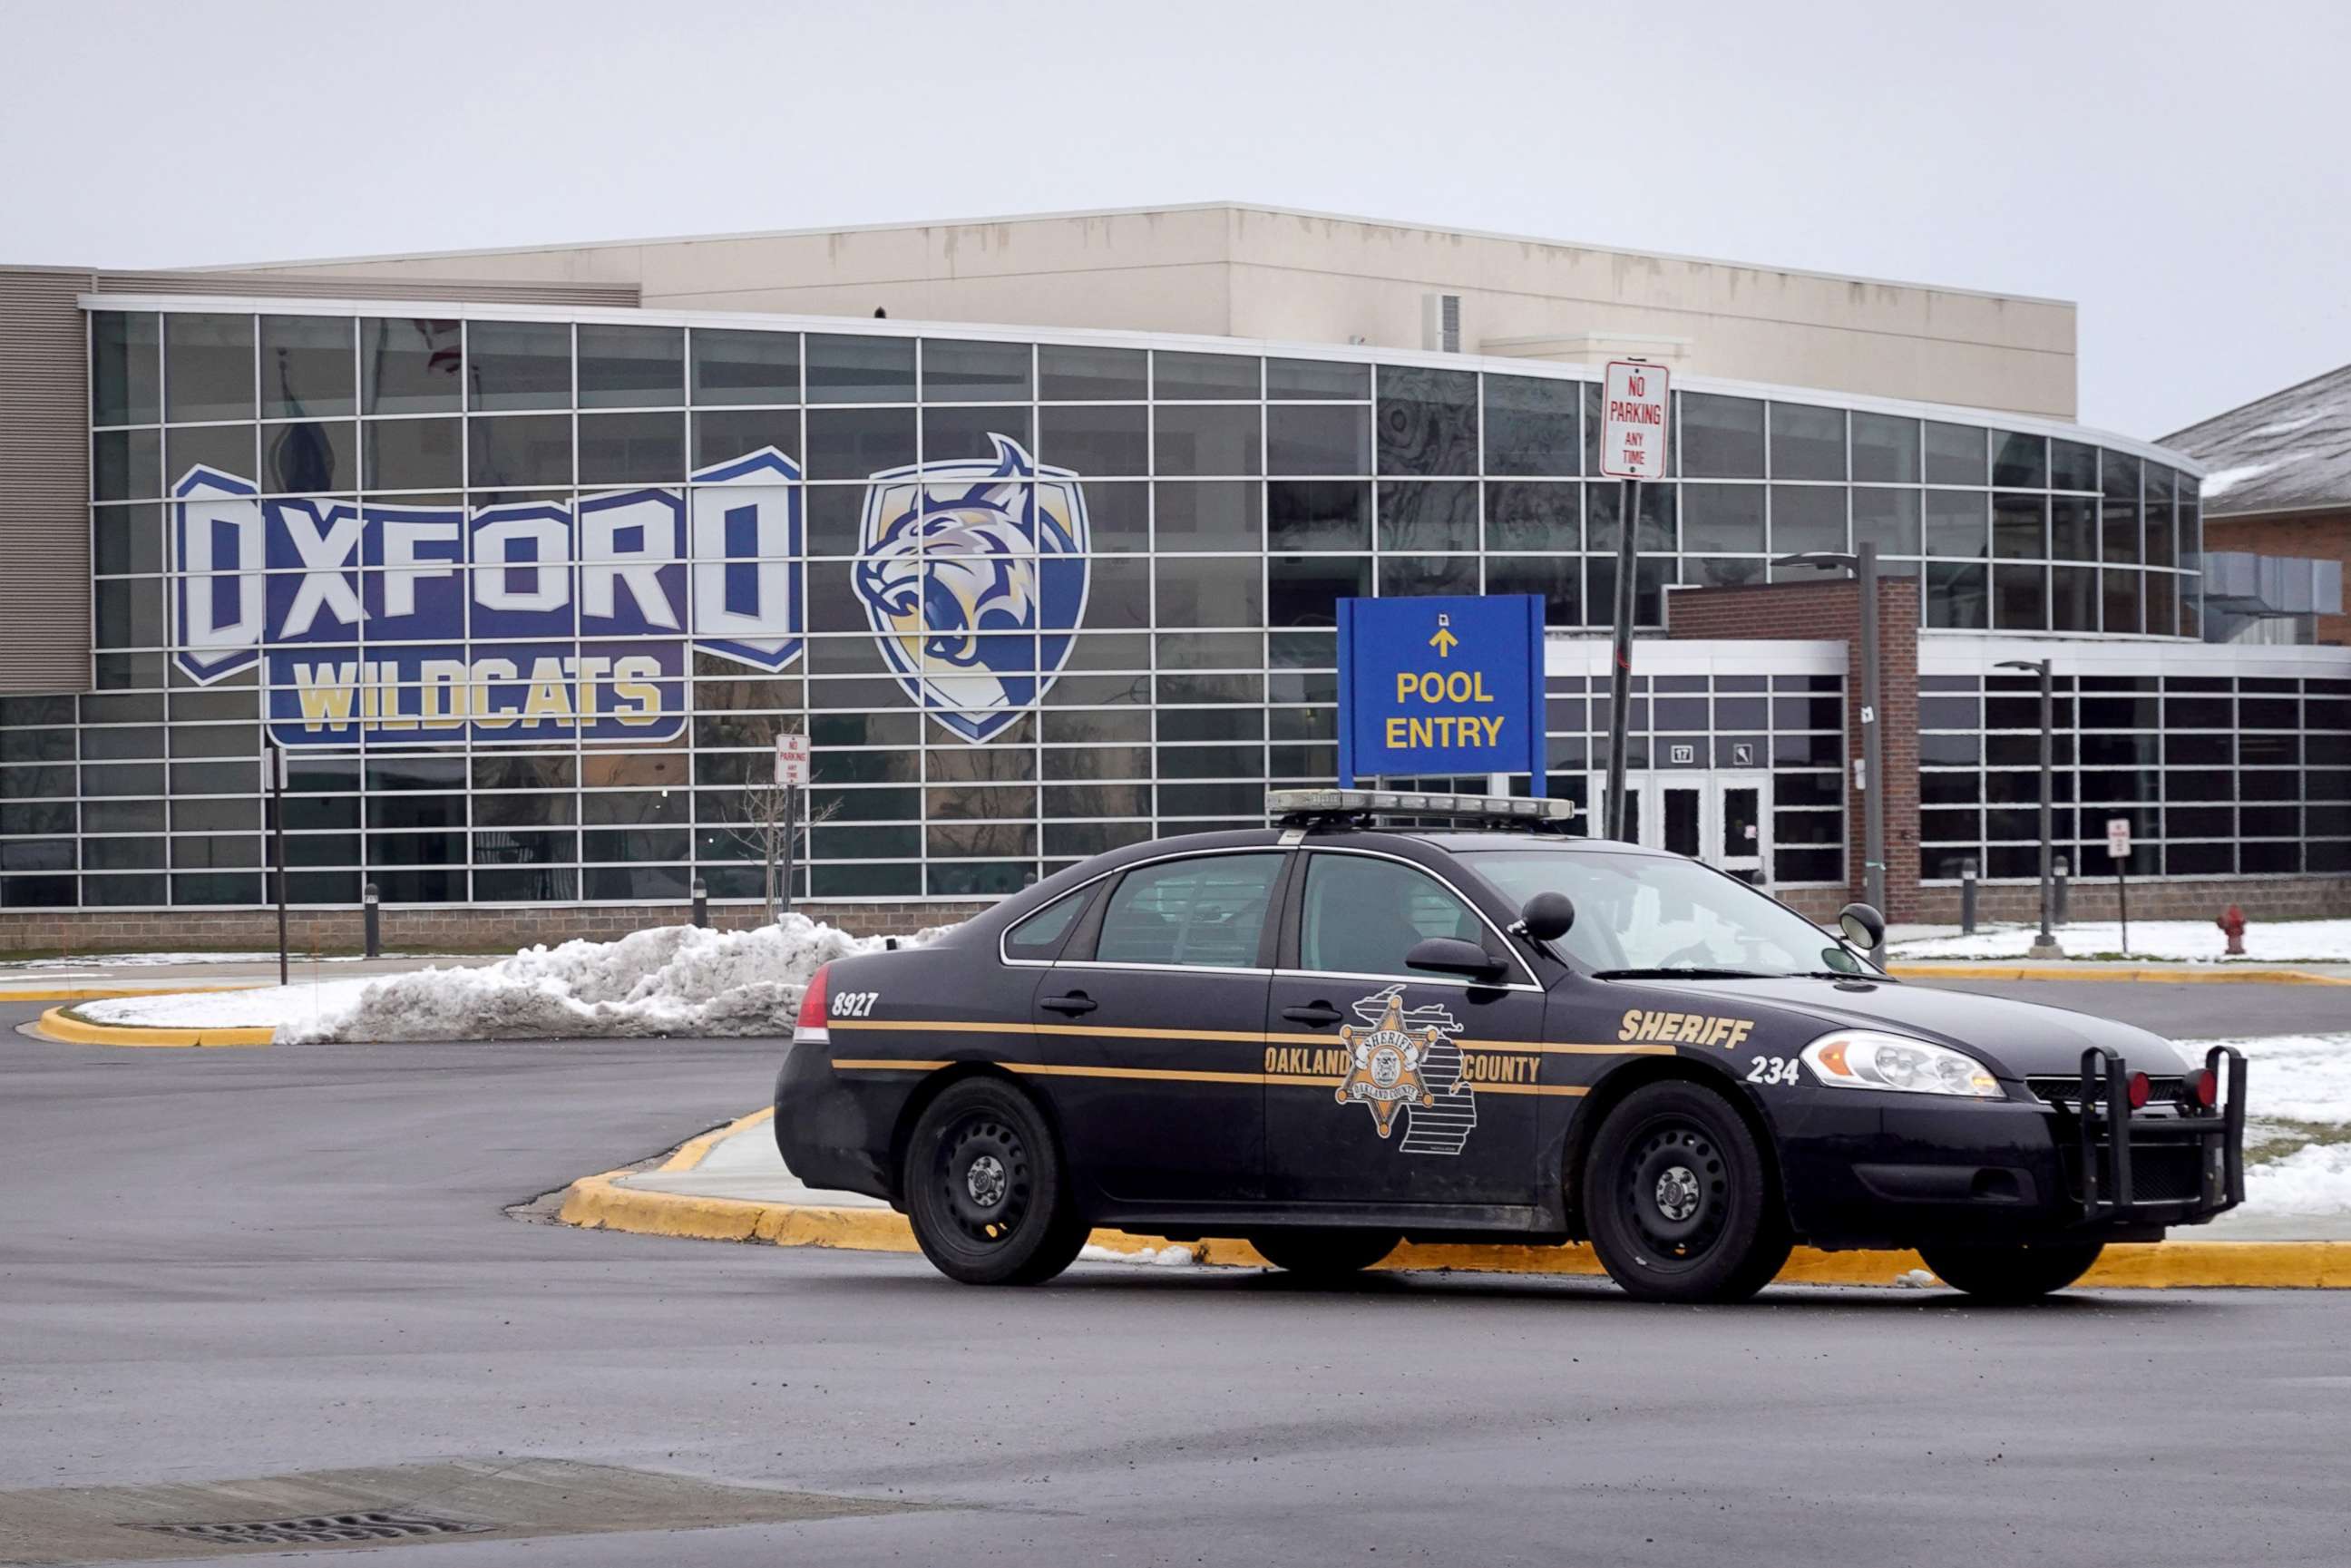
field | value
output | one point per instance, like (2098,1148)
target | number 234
(1773,1069)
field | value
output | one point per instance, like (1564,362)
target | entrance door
(1723,818)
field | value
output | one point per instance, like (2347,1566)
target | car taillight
(2204,1089)
(2140,1090)
(812,1001)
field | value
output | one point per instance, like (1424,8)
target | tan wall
(1262,273)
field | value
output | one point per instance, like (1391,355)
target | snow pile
(1168,1257)
(2298,1122)
(2266,941)
(670,980)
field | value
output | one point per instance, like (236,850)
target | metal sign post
(1635,419)
(791,777)
(276,763)
(2118,835)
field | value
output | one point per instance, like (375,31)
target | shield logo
(973,574)
(220,548)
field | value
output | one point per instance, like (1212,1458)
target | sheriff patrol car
(1327,1036)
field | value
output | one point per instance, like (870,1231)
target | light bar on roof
(1413,803)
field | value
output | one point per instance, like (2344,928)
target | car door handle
(1073,1004)
(1321,1014)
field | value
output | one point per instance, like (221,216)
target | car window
(1041,935)
(1362,915)
(1208,912)
(1660,913)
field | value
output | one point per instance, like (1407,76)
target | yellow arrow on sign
(1445,639)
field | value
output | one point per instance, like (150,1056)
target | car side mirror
(1452,956)
(1547,916)
(1861,926)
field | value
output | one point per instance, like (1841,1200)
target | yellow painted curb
(694,1151)
(113,993)
(58,1025)
(600,1203)
(2182,974)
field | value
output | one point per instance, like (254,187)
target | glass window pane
(529,451)
(2073,599)
(1721,437)
(1954,454)
(2122,599)
(1202,377)
(1957,596)
(860,370)
(1959,524)
(732,367)
(1208,913)
(1427,421)
(2073,528)
(1558,578)
(1885,448)
(853,443)
(225,447)
(2020,598)
(1318,440)
(208,366)
(1807,442)
(2020,527)
(1722,518)
(409,366)
(306,368)
(724,434)
(1305,590)
(1066,374)
(1805,517)
(413,454)
(126,464)
(1095,441)
(1209,441)
(1362,916)
(1531,425)
(2072,465)
(959,372)
(1210,516)
(126,368)
(1208,590)
(2020,461)
(632,367)
(1889,518)
(517,364)
(1316,378)
(1428,516)
(1305,513)
(631,448)
(311,457)
(1534,517)
(971,433)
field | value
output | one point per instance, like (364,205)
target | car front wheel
(984,1189)
(1323,1254)
(2014,1273)
(1679,1200)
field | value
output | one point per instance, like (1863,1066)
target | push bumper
(2074,1164)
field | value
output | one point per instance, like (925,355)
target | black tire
(2014,1273)
(1679,1202)
(984,1189)
(1317,1254)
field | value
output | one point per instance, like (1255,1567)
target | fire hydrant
(2232,924)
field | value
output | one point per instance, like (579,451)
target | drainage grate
(320,1530)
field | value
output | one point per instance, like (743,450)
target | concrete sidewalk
(138,973)
(731,1184)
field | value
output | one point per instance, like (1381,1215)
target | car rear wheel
(2014,1273)
(984,1189)
(1679,1200)
(1325,1254)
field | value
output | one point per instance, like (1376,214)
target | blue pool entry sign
(1441,686)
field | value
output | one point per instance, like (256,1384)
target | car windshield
(1640,915)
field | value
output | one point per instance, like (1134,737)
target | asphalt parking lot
(228,1264)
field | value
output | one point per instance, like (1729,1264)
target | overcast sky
(2181,170)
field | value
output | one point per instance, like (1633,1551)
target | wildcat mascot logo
(973,573)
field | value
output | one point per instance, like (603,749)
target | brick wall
(2318,535)
(1831,611)
(453,928)
(2159,898)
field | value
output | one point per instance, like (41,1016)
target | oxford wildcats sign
(972,575)
(541,623)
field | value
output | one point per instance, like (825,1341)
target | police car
(1328,1036)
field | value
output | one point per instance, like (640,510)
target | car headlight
(1863,1058)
